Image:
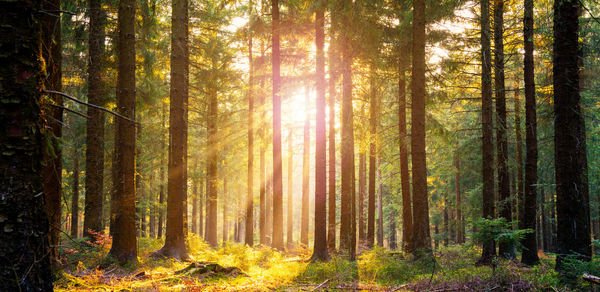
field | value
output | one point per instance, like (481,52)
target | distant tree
(305,171)
(362,185)
(487,148)
(290,192)
(124,247)
(249,236)
(528,204)
(572,188)
(407,217)
(75,197)
(421,237)
(372,161)
(320,244)
(277,239)
(24,227)
(211,170)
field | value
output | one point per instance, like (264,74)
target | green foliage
(499,230)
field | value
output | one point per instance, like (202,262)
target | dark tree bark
(75,197)
(277,239)
(362,190)
(152,214)
(505,249)
(573,210)
(140,217)
(333,76)
(249,236)
(489,248)
(213,160)
(528,205)
(519,176)
(290,199)
(372,162)
(305,171)
(421,236)
(94,157)
(445,217)
(347,124)
(24,227)
(195,208)
(124,243)
(379,207)
(52,154)
(393,242)
(407,217)
(176,209)
(320,244)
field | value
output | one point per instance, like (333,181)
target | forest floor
(263,269)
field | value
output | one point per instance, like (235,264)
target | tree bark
(24,228)
(195,208)
(372,162)
(290,198)
(573,210)
(407,214)
(489,247)
(277,240)
(320,244)
(421,236)
(528,206)
(75,197)
(333,76)
(52,154)
(347,124)
(379,207)
(213,159)
(362,185)
(460,225)
(161,195)
(124,242)
(262,224)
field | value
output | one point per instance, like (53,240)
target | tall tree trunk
(161,195)
(393,242)
(489,247)
(529,255)
(52,154)
(75,197)
(277,240)
(152,204)
(225,226)
(139,209)
(372,161)
(249,236)
(519,185)
(421,237)
(305,170)
(505,249)
(290,198)
(268,206)
(347,124)
(176,209)
(124,242)
(262,223)
(195,208)
(201,204)
(213,160)
(362,189)
(407,214)
(320,244)
(24,227)
(573,210)
(333,76)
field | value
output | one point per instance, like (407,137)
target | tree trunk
(52,154)
(225,226)
(139,209)
(290,198)
(195,208)
(201,196)
(528,205)
(213,160)
(489,247)
(573,210)
(393,242)
(347,124)
(519,185)
(320,244)
(460,225)
(24,227)
(176,208)
(407,217)
(262,224)
(75,197)
(161,195)
(379,207)
(305,170)
(124,242)
(333,76)
(362,186)
(152,204)
(505,249)
(372,161)
(277,240)
(249,236)
(421,237)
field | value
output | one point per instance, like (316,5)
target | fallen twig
(322,284)
(591,278)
